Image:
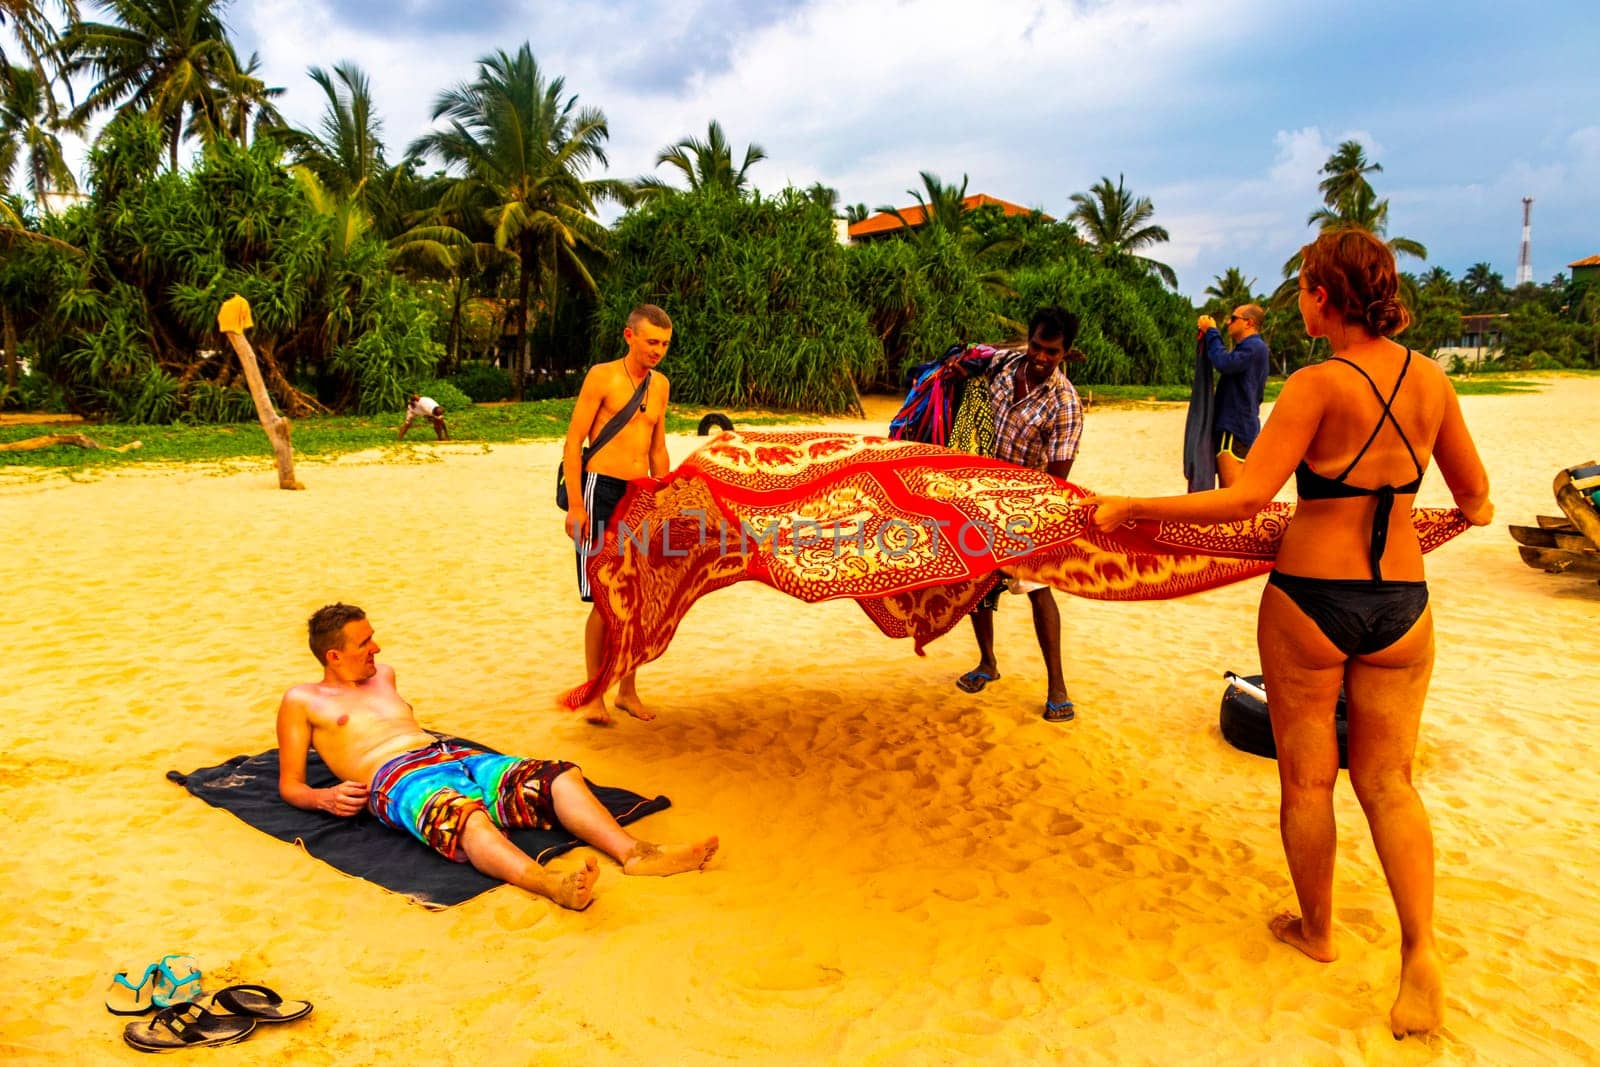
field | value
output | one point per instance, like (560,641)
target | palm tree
(854,213)
(28,138)
(1230,289)
(1481,279)
(435,249)
(1364,211)
(168,58)
(34,31)
(1437,281)
(1483,286)
(1351,203)
(704,164)
(244,97)
(522,149)
(1118,224)
(346,154)
(944,208)
(1346,171)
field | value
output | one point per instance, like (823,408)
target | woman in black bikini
(1347,603)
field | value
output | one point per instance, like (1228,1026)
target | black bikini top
(1314,486)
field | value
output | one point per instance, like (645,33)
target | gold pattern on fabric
(973,428)
(914,533)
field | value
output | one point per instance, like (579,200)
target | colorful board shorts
(430,792)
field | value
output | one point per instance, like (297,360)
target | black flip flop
(186,1026)
(1065,711)
(259,1003)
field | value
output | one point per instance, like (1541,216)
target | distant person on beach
(597,481)
(1347,603)
(452,798)
(425,407)
(1038,421)
(1241,386)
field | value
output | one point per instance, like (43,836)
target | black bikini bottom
(1358,615)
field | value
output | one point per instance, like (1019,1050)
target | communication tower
(1525,261)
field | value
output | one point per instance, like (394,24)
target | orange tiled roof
(1591,261)
(883,222)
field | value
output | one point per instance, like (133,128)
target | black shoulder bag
(634,405)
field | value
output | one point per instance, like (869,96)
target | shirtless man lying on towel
(452,798)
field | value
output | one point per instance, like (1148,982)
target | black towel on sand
(362,846)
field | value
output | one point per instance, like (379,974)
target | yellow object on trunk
(235,315)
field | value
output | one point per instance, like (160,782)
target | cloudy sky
(1220,111)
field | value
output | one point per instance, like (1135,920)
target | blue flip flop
(974,680)
(131,996)
(1062,712)
(177,980)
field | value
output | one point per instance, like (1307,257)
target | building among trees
(885,223)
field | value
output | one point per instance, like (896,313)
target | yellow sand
(909,874)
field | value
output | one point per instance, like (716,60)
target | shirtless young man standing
(639,449)
(448,796)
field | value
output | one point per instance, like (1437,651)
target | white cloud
(1033,99)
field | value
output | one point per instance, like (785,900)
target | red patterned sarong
(914,533)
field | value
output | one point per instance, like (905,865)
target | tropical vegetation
(475,255)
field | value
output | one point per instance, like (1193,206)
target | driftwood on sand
(233,319)
(51,440)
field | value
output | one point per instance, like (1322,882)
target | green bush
(557,386)
(760,297)
(209,402)
(483,382)
(35,392)
(449,397)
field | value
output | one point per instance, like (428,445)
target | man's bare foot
(669,859)
(575,889)
(596,712)
(1419,1009)
(1287,928)
(634,706)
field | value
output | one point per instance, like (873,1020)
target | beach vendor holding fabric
(453,798)
(1241,386)
(1038,420)
(617,434)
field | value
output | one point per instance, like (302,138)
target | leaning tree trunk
(233,320)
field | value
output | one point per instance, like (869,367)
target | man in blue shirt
(1240,389)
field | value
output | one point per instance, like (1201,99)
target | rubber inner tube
(715,420)
(1245,724)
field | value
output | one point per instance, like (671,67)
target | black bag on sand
(607,432)
(1247,727)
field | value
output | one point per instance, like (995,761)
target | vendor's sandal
(130,995)
(1059,711)
(974,680)
(259,1003)
(177,981)
(186,1026)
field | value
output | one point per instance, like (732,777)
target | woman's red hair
(1357,270)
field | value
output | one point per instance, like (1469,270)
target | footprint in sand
(1363,923)
(1064,826)
(958,889)
(779,976)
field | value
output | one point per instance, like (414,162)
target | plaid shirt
(1041,428)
